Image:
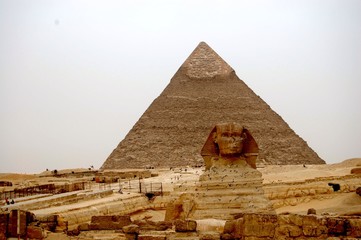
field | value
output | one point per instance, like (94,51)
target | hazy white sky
(75,76)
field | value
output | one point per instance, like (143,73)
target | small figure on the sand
(120,190)
(7,201)
(12,201)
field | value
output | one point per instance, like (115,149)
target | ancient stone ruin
(231,185)
(203,92)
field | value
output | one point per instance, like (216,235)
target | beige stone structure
(231,184)
(203,92)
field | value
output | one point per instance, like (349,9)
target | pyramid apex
(205,63)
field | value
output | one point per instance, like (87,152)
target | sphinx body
(230,185)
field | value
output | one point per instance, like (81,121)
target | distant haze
(75,76)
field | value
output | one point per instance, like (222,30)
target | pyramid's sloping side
(172,131)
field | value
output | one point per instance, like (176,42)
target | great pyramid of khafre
(203,92)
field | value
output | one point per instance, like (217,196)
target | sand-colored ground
(172,179)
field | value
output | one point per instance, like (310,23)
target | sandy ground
(345,203)
(341,204)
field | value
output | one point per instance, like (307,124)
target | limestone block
(151,225)
(209,236)
(292,219)
(354,228)
(336,226)
(185,225)
(259,225)
(13,223)
(34,232)
(131,236)
(234,228)
(62,224)
(288,231)
(46,218)
(4,218)
(84,227)
(132,228)
(180,208)
(314,227)
(151,237)
(73,232)
(48,221)
(226,236)
(109,222)
(229,226)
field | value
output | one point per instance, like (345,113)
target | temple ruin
(203,92)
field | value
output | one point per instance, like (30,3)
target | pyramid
(205,91)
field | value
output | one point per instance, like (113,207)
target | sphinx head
(230,141)
(229,138)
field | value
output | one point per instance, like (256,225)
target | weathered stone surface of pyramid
(205,91)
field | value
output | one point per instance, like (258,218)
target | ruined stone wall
(294,193)
(292,226)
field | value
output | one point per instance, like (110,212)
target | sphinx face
(230,140)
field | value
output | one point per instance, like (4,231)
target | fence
(136,186)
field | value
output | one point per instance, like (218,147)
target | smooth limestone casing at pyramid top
(205,91)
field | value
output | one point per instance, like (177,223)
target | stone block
(259,225)
(336,226)
(315,231)
(229,226)
(131,236)
(73,232)
(185,225)
(109,222)
(354,228)
(314,226)
(4,218)
(226,236)
(13,223)
(288,231)
(34,232)
(151,225)
(238,228)
(46,218)
(62,224)
(83,227)
(209,236)
(132,228)
(295,219)
(151,237)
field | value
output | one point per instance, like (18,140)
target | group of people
(9,202)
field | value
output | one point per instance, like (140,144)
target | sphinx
(229,144)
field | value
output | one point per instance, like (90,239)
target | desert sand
(99,199)
(272,174)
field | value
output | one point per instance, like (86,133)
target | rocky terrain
(292,190)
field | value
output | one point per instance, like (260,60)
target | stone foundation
(292,226)
(249,226)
